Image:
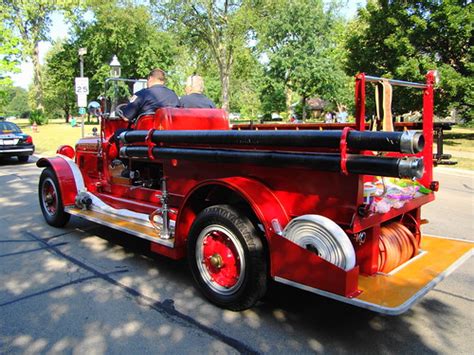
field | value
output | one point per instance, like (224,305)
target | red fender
(68,181)
(261,199)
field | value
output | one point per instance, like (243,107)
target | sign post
(82,90)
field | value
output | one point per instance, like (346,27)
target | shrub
(38,117)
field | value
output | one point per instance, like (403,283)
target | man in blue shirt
(194,97)
(148,100)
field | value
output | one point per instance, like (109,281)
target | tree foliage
(16,102)
(405,39)
(125,30)
(211,29)
(9,61)
(30,21)
(58,80)
(300,38)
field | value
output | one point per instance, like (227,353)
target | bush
(38,117)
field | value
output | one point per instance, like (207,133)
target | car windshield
(8,127)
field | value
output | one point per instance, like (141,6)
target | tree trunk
(37,77)
(224,75)
(288,97)
(303,103)
(66,112)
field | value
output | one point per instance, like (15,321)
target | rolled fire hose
(323,236)
(397,245)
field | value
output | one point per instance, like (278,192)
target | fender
(69,176)
(261,199)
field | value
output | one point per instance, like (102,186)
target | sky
(59,29)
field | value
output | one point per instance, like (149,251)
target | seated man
(194,97)
(148,100)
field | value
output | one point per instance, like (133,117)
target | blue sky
(59,29)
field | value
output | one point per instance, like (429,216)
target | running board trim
(123,225)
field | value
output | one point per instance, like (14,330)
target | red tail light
(29,140)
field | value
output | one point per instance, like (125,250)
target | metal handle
(375,79)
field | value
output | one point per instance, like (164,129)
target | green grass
(49,137)
(463,163)
(461,139)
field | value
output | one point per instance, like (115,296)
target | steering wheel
(118,110)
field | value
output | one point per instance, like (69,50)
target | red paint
(428,105)
(218,245)
(343,148)
(175,253)
(66,150)
(292,262)
(67,184)
(360,102)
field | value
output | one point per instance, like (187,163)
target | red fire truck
(330,208)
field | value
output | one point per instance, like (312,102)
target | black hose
(405,142)
(356,164)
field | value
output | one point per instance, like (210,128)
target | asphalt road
(89,289)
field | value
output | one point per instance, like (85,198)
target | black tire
(50,199)
(233,230)
(23,158)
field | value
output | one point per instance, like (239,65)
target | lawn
(49,137)
(459,142)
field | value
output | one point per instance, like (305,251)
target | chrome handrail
(375,79)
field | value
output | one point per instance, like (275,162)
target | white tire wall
(321,234)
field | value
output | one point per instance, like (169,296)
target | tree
(16,102)
(405,39)
(214,27)
(9,60)
(30,19)
(300,40)
(124,30)
(59,73)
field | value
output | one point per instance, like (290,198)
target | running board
(129,226)
(396,292)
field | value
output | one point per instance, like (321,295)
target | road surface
(89,289)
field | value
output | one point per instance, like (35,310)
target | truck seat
(170,118)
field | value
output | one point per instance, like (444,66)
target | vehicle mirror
(94,108)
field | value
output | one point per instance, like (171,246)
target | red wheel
(226,258)
(50,199)
(220,259)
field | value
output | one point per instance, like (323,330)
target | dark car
(13,142)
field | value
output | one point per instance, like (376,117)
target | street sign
(82,86)
(82,100)
(82,110)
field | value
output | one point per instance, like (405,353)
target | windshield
(8,127)
(119,91)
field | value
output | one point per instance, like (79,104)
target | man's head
(156,76)
(194,85)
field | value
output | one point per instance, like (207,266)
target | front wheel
(50,199)
(226,257)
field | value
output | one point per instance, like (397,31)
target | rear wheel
(50,199)
(23,158)
(226,257)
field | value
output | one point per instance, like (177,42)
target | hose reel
(324,237)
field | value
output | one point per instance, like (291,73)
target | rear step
(396,292)
(129,226)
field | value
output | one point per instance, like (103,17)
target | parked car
(13,142)
(234,116)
